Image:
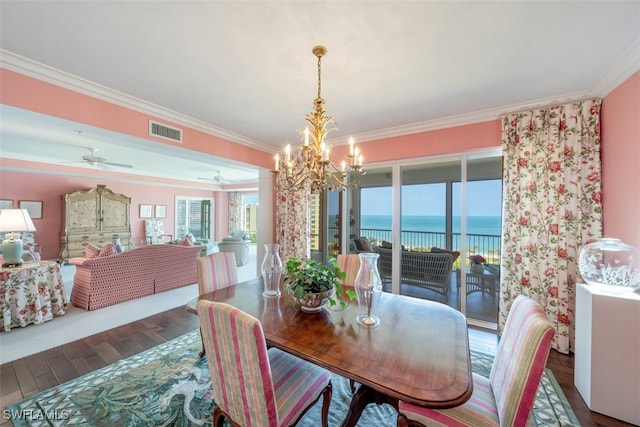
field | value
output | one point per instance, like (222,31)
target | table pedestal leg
(363,396)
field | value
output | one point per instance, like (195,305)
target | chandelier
(310,166)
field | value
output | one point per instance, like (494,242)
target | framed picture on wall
(161,211)
(146,211)
(6,204)
(34,208)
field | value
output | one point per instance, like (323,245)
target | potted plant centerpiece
(312,284)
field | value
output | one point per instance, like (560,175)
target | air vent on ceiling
(164,131)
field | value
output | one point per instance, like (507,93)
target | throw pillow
(366,245)
(358,244)
(455,254)
(386,245)
(109,249)
(91,251)
(186,242)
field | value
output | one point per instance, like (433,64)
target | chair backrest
(216,271)
(239,364)
(239,234)
(520,361)
(154,229)
(350,264)
(28,238)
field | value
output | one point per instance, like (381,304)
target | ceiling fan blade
(121,165)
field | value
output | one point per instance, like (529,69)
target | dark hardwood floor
(32,374)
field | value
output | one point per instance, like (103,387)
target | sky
(484,198)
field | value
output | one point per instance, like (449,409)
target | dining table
(419,352)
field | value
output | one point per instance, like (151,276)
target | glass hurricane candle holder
(368,287)
(272,270)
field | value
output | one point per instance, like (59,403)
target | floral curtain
(552,206)
(236,211)
(293,231)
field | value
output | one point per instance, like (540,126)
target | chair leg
(403,421)
(219,416)
(202,352)
(326,402)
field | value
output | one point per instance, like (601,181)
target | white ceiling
(244,69)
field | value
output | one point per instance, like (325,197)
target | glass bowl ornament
(611,265)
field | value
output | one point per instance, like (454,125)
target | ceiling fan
(94,160)
(218,179)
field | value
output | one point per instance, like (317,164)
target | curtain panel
(293,209)
(552,207)
(236,211)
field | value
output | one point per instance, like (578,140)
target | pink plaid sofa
(146,270)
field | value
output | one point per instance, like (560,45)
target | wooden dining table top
(419,353)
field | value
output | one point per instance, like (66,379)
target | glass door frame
(396,215)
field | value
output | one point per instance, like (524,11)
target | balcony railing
(486,244)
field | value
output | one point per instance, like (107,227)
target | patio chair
(505,398)
(263,387)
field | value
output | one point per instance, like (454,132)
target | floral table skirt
(33,293)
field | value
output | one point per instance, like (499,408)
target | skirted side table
(32,293)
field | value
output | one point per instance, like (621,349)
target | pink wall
(441,141)
(35,181)
(620,153)
(620,121)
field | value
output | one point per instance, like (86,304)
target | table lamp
(13,221)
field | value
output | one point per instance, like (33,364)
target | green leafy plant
(303,277)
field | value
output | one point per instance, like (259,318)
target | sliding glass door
(413,213)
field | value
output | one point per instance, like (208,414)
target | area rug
(169,385)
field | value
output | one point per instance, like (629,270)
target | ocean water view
(486,225)
(423,232)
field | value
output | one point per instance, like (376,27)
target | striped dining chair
(505,398)
(253,385)
(216,271)
(350,264)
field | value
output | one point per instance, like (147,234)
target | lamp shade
(15,220)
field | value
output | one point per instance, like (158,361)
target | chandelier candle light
(312,167)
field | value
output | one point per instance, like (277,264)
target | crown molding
(39,71)
(622,70)
(462,119)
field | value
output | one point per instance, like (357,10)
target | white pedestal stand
(607,356)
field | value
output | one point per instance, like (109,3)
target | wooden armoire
(94,216)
